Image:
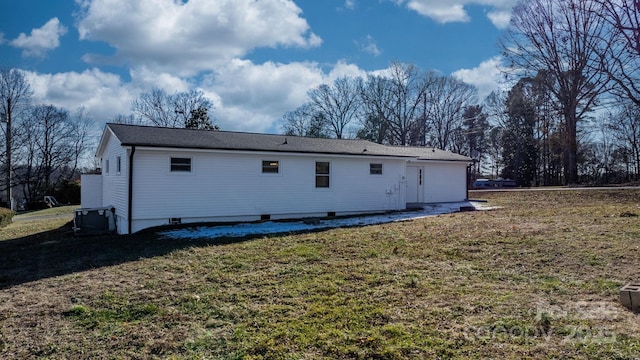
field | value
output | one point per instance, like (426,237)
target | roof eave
(106,133)
(203,148)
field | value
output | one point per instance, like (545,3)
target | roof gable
(104,139)
(148,136)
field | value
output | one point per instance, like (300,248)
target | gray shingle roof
(134,135)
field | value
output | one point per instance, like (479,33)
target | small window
(375,169)
(180,164)
(106,166)
(118,165)
(270,167)
(322,174)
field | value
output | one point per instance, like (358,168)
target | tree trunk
(571,149)
(8,149)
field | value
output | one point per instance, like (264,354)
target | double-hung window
(180,164)
(322,174)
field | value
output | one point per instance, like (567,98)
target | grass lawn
(37,222)
(59,210)
(538,278)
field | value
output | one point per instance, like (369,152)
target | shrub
(68,193)
(6,216)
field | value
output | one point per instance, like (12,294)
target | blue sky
(254,59)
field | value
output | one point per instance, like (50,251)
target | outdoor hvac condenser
(90,221)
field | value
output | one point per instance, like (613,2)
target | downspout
(130,202)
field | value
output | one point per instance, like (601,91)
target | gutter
(271,151)
(130,196)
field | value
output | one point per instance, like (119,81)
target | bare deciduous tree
(625,126)
(83,137)
(561,37)
(406,87)
(304,121)
(375,94)
(53,143)
(338,104)
(15,95)
(161,109)
(620,57)
(130,119)
(446,100)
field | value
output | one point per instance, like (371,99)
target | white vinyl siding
(91,191)
(114,188)
(445,182)
(226,187)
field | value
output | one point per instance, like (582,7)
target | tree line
(570,117)
(401,106)
(43,145)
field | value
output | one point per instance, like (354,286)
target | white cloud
(369,46)
(487,76)
(41,40)
(103,95)
(247,96)
(500,18)
(350,4)
(189,37)
(442,12)
(445,11)
(253,97)
(144,78)
(343,69)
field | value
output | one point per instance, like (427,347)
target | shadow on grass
(58,252)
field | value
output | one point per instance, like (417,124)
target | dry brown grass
(538,279)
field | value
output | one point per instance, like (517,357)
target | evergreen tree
(518,141)
(199,119)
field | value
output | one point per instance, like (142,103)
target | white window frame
(328,175)
(118,165)
(106,166)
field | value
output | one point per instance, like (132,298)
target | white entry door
(414,178)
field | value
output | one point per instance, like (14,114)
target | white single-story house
(155,176)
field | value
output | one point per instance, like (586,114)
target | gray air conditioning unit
(91,221)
